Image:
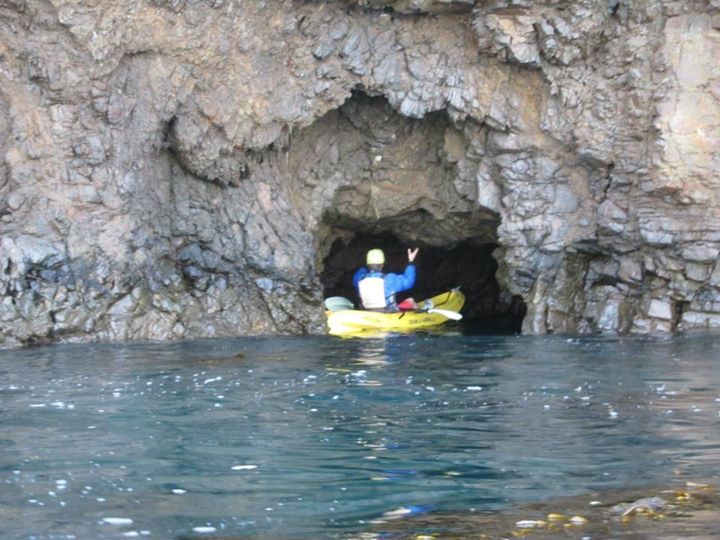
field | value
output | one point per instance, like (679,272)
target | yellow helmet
(375,256)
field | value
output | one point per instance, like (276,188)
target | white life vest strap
(372,292)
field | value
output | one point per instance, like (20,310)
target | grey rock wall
(175,169)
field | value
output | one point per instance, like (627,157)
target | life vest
(372,292)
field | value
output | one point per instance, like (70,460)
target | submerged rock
(182,169)
(647,505)
(648,517)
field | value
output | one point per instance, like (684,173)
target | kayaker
(377,290)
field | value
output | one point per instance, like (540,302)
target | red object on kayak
(407,304)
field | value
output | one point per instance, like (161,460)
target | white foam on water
(117,521)
(399,512)
(204,529)
(243,467)
(178,491)
(528,524)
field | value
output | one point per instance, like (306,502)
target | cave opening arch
(376,178)
(468,264)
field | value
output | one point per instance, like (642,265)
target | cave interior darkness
(468,265)
(398,176)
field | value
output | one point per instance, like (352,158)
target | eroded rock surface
(181,168)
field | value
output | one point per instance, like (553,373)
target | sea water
(318,437)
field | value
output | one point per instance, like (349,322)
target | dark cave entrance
(383,180)
(467,264)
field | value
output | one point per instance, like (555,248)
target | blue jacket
(394,283)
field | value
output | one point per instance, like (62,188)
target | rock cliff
(186,168)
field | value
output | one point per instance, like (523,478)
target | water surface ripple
(322,437)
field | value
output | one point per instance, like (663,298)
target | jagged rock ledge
(178,168)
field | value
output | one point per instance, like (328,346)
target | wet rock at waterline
(690,511)
(185,169)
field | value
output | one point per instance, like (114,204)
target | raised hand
(412,253)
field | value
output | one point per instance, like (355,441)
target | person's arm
(361,273)
(395,283)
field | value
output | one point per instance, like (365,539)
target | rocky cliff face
(185,168)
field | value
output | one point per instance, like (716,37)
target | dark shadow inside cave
(469,265)
(385,180)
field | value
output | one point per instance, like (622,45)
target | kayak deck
(353,321)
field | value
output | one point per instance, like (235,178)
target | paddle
(454,315)
(427,306)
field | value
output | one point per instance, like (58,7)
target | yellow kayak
(435,311)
